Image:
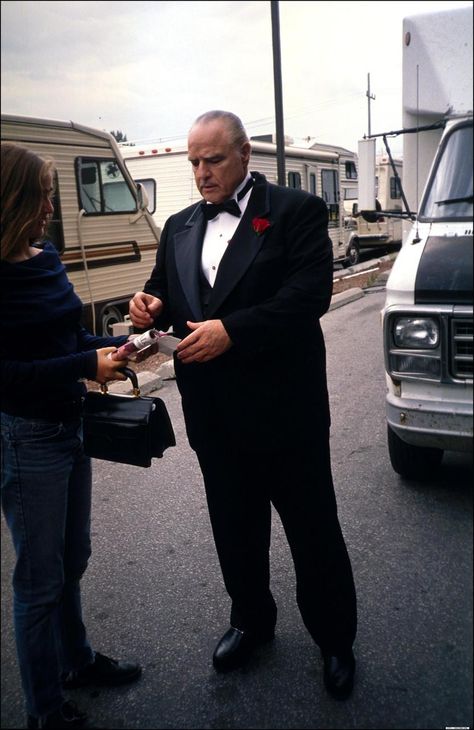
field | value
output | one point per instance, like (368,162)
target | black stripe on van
(445,271)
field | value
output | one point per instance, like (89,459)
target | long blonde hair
(23,174)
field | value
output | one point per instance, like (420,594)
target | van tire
(352,254)
(412,462)
(110,315)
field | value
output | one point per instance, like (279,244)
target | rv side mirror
(142,196)
(370,216)
(355,210)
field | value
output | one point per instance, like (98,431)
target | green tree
(119,135)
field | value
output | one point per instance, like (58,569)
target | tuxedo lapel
(188,248)
(242,248)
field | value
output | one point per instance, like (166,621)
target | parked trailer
(102,229)
(386,229)
(324,170)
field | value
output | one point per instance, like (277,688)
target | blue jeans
(46,500)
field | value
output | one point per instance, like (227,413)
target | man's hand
(144,308)
(208,340)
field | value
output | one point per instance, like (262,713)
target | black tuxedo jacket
(269,390)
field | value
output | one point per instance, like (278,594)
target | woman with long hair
(46,354)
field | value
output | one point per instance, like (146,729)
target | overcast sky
(150,68)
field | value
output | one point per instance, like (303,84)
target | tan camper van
(102,229)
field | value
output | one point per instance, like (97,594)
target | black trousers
(240,488)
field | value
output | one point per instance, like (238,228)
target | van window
(102,187)
(449,193)
(55,232)
(150,187)
(294,180)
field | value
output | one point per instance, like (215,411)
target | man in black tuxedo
(244,285)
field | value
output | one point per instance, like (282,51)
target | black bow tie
(210,210)
(231,206)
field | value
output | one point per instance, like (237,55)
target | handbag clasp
(131,374)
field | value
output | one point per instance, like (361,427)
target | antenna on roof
(369,97)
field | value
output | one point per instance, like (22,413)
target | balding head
(219,151)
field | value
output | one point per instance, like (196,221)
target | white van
(428,312)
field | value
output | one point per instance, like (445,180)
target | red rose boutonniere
(260,225)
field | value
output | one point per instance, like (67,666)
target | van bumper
(436,424)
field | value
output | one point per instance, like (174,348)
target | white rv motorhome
(324,170)
(101,227)
(428,312)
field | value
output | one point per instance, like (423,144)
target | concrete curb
(344,297)
(361,268)
(350,295)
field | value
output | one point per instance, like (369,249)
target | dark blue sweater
(44,350)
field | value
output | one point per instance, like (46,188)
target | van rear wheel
(412,462)
(353,254)
(110,316)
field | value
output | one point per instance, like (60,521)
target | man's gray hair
(234,125)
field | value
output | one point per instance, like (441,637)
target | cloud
(149,68)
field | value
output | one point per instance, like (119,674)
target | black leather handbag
(130,429)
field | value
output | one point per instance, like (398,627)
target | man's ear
(245,152)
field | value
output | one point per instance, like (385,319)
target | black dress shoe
(103,672)
(236,647)
(339,674)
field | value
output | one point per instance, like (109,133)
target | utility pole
(280,137)
(369,97)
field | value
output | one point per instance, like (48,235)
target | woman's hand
(108,369)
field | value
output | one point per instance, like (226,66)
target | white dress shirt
(219,231)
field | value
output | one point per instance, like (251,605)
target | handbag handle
(129,373)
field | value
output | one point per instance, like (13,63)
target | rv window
(350,193)
(330,193)
(294,180)
(312,183)
(89,175)
(54,232)
(102,187)
(395,188)
(150,187)
(351,171)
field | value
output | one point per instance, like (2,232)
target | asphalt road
(153,590)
